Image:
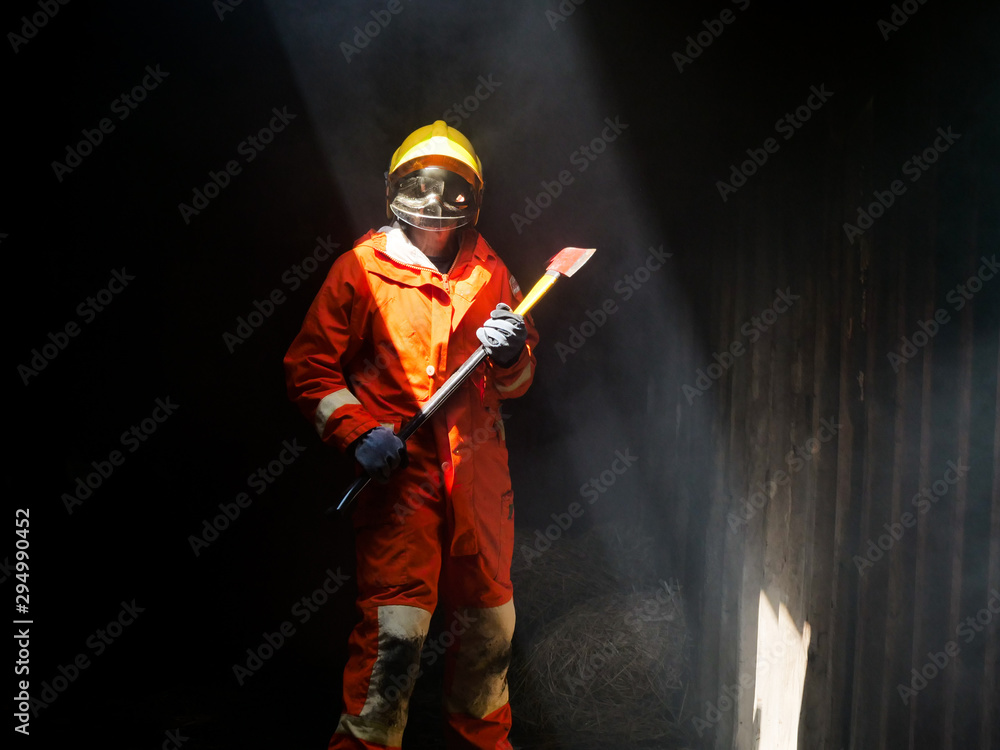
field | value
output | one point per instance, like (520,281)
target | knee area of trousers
(398,654)
(496,660)
(396,670)
(492,624)
(490,658)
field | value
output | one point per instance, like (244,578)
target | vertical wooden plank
(718,663)
(845,525)
(729,437)
(749,437)
(866,706)
(989,725)
(799,493)
(896,588)
(958,512)
(775,683)
(820,571)
(921,589)
(910,246)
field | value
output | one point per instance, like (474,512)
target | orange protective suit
(384,333)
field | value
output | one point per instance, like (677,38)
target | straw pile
(549,580)
(602,664)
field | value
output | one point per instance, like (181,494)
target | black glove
(503,335)
(380,452)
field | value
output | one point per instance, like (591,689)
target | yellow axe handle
(536,293)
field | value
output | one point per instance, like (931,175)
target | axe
(566,262)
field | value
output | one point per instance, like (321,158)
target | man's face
(434,198)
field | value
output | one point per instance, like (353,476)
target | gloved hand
(380,452)
(503,335)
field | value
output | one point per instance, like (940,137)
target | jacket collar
(398,247)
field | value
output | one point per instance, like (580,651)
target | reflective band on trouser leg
(476,699)
(398,544)
(382,718)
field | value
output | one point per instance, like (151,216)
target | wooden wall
(801,583)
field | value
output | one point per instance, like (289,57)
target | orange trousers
(405,570)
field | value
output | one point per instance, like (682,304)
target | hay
(612,670)
(551,579)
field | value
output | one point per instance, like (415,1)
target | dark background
(162,337)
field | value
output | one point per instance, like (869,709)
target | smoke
(559,158)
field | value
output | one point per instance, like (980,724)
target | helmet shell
(436,145)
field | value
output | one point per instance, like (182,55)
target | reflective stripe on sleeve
(521,380)
(330,403)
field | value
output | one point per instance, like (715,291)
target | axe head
(568,261)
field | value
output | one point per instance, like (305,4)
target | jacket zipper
(447,283)
(444,276)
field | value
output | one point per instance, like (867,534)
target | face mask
(434,198)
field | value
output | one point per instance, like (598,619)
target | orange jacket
(382,335)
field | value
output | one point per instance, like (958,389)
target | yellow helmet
(426,157)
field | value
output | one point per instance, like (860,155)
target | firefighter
(396,316)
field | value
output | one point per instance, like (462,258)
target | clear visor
(434,198)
